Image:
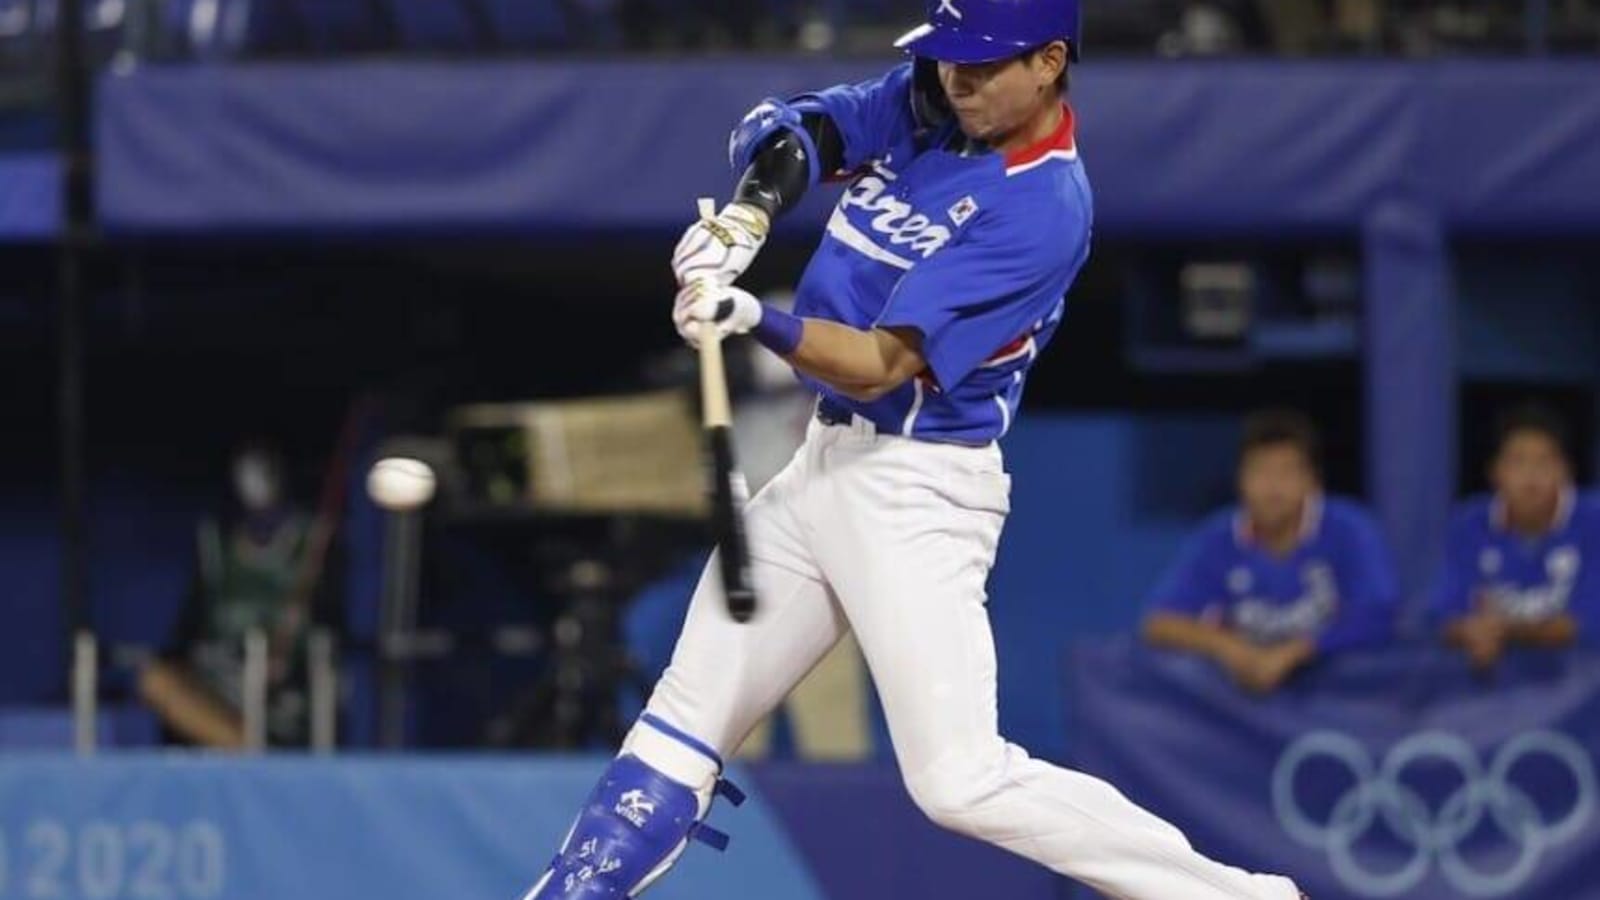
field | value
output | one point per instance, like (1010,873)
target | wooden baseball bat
(729,490)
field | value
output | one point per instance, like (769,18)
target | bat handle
(713,374)
(715,406)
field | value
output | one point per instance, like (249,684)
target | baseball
(399,484)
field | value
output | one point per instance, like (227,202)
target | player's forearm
(1559,631)
(1171,631)
(862,365)
(1300,651)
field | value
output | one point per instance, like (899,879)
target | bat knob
(742,605)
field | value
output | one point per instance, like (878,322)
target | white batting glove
(734,311)
(720,249)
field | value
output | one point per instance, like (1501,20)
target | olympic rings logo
(1486,796)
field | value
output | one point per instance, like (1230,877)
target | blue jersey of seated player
(1337,587)
(972,248)
(1525,580)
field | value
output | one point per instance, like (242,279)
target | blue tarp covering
(1394,775)
(1200,146)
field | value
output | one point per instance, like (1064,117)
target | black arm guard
(780,174)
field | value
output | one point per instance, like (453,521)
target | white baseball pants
(893,539)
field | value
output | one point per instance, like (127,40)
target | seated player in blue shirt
(1285,577)
(1522,565)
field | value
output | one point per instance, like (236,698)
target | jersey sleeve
(1368,588)
(868,115)
(1194,584)
(1002,277)
(1450,594)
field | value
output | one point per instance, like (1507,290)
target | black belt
(832,412)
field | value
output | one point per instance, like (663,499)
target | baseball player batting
(941,277)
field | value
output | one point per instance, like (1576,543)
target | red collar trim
(1064,138)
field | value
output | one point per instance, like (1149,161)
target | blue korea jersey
(1525,580)
(975,250)
(1338,587)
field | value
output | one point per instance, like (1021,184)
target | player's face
(1275,483)
(993,100)
(1530,473)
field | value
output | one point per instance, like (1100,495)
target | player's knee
(953,791)
(945,802)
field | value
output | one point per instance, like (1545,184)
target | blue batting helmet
(979,31)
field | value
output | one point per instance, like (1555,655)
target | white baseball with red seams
(399,484)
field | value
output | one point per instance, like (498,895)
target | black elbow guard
(781,170)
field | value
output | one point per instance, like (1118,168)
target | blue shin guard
(631,830)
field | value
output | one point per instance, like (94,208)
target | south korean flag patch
(963,210)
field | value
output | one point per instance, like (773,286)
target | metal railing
(90,656)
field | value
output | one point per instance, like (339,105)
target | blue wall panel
(30,197)
(195,828)
(1080,551)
